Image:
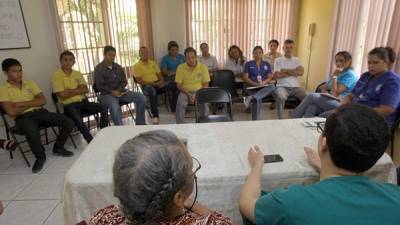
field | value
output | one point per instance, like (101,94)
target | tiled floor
(34,199)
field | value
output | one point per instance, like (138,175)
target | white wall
(168,21)
(40,61)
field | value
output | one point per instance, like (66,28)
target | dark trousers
(76,110)
(151,92)
(172,90)
(30,123)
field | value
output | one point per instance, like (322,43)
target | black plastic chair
(213,95)
(226,79)
(84,114)
(121,104)
(319,87)
(292,102)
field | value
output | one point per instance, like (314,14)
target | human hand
(256,157)
(116,93)
(192,98)
(160,84)
(337,71)
(277,75)
(313,158)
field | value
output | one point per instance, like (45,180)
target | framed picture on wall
(13,33)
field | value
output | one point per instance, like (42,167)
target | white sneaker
(247,101)
(156,121)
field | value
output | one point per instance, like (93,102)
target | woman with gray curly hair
(154,175)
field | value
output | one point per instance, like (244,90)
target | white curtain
(246,23)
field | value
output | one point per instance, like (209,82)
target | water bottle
(259,78)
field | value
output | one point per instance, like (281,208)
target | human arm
(123,80)
(252,187)
(342,81)
(249,81)
(337,87)
(67,93)
(165,71)
(389,97)
(384,110)
(14,109)
(270,79)
(183,90)
(157,83)
(160,81)
(348,99)
(298,71)
(100,82)
(62,92)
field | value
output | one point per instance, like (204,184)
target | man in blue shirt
(169,64)
(344,195)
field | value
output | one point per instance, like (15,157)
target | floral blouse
(112,215)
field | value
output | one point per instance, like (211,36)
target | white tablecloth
(221,149)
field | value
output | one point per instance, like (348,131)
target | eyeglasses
(320,127)
(197,167)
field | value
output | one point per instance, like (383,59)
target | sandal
(8,145)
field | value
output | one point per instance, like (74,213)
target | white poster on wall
(13,33)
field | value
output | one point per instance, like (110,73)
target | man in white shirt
(207,59)
(286,70)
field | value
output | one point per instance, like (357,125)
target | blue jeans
(256,99)
(181,106)
(115,109)
(151,92)
(313,105)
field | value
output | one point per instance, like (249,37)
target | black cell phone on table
(272,158)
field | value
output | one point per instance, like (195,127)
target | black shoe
(62,152)
(38,166)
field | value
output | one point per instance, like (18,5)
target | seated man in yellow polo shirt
(190,77)
(71,87)
(148,75)
(23,100)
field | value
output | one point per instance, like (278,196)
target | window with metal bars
(86,26)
